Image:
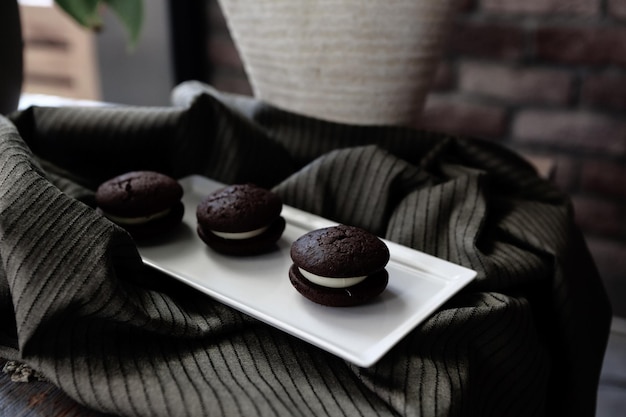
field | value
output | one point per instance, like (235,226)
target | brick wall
(544,77)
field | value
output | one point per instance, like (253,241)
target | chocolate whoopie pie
(339,266)
(145,203)
(240,219)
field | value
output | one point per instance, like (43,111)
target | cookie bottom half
(358,294)
(260,244)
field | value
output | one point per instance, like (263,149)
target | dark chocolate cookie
(146,203)
(340,251)
(240,219)
(138,193)
(239,208)
(339,266)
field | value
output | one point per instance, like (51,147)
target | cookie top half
(138,193)
(340,251)
(239,208)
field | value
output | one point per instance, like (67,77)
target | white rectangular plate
(259,286)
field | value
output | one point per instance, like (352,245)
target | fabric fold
(525,338)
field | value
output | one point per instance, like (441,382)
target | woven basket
(368,62)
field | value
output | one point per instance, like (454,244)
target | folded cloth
(525,338)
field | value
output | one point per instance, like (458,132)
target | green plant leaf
(130,13)
(85,12)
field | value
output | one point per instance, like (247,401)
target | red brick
(487,40)
(604,177)
(222,52)
(610,258)
(576,131)
(598,216)
(605,91)
(566,173)
(582,45)
(451,115)
(231,82)
(216,16)
(552,7)
(444,77)
(617,8)
(517,85)
(464,6)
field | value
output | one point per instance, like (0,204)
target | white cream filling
(137,220)
(240,235)
(331,282)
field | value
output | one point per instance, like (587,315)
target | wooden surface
(37,399)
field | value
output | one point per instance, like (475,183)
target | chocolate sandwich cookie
(339,266)
(240,219)
(145,203)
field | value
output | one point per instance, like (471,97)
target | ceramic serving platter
(259,285)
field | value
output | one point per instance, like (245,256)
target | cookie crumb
(20,372)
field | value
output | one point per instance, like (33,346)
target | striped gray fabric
(526,338)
